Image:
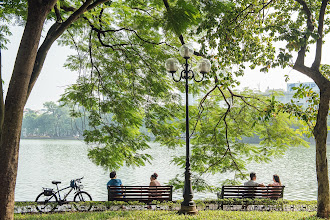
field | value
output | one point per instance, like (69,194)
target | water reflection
(41,161)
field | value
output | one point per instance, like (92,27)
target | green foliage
(219,142)
(232,201)
(307,115)
(169,215)
(11,12)
(325,70)
(257,33)
(125,90)
(180,16)
(123,85)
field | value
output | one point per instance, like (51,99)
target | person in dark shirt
(115,182)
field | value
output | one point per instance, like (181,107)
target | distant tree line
(53,121)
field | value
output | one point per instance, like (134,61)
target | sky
(54,77)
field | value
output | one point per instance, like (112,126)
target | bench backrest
(140,193)
(251,192)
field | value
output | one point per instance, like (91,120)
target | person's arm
(261,184)
(122,188)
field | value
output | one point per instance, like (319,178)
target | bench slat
(140,193)
(138,199)
(251,191)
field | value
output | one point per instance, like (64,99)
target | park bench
(144,194)
(250,192)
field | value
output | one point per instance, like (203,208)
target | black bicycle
(48,200)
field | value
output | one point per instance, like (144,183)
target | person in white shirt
(252,181)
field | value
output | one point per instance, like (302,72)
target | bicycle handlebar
(78,180)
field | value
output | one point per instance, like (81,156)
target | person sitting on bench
(252,181)
(276,181)
(275,193)
(115,182)
(153,180)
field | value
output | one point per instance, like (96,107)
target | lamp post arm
(177,80)
(196,80)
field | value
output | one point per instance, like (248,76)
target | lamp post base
(188,210)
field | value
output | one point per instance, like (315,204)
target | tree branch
(249,12)
(300,61)
(99,31)
(58,14)
(54,32)
(226,127)
(319,43)
(243,99)
(201,109)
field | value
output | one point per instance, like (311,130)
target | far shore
(53,138)
(254,140)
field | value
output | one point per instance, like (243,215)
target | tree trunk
(15,102)
(320,134)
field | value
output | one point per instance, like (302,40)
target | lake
(41,161)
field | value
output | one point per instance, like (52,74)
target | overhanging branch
(54,32)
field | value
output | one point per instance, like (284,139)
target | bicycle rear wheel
(82,200)
(46,203)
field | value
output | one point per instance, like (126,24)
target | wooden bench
(251,192)
(144,194)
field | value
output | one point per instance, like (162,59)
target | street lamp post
(204,66)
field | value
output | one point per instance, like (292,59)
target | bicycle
(47,201)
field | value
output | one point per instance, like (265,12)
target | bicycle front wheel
(46,203)
(82,200)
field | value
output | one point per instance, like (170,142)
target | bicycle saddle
(56,182)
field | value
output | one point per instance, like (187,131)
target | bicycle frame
(67,194)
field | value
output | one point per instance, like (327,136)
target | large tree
(28,65)
(277,34)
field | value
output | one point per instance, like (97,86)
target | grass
(169,215)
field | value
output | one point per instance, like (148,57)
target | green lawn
(153,215)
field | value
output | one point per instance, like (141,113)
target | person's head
(276,178)
(154,176)
(253,176)
(113,174)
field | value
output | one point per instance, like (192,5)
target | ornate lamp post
(204,66)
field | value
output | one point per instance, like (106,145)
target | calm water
(41,161)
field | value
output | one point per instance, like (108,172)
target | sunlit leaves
(125,89)
(123,84)
(325,70)
(248,32)
(308,114)
(220,142)
(181,15)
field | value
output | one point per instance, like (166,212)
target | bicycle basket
(48,192)
(73,184)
